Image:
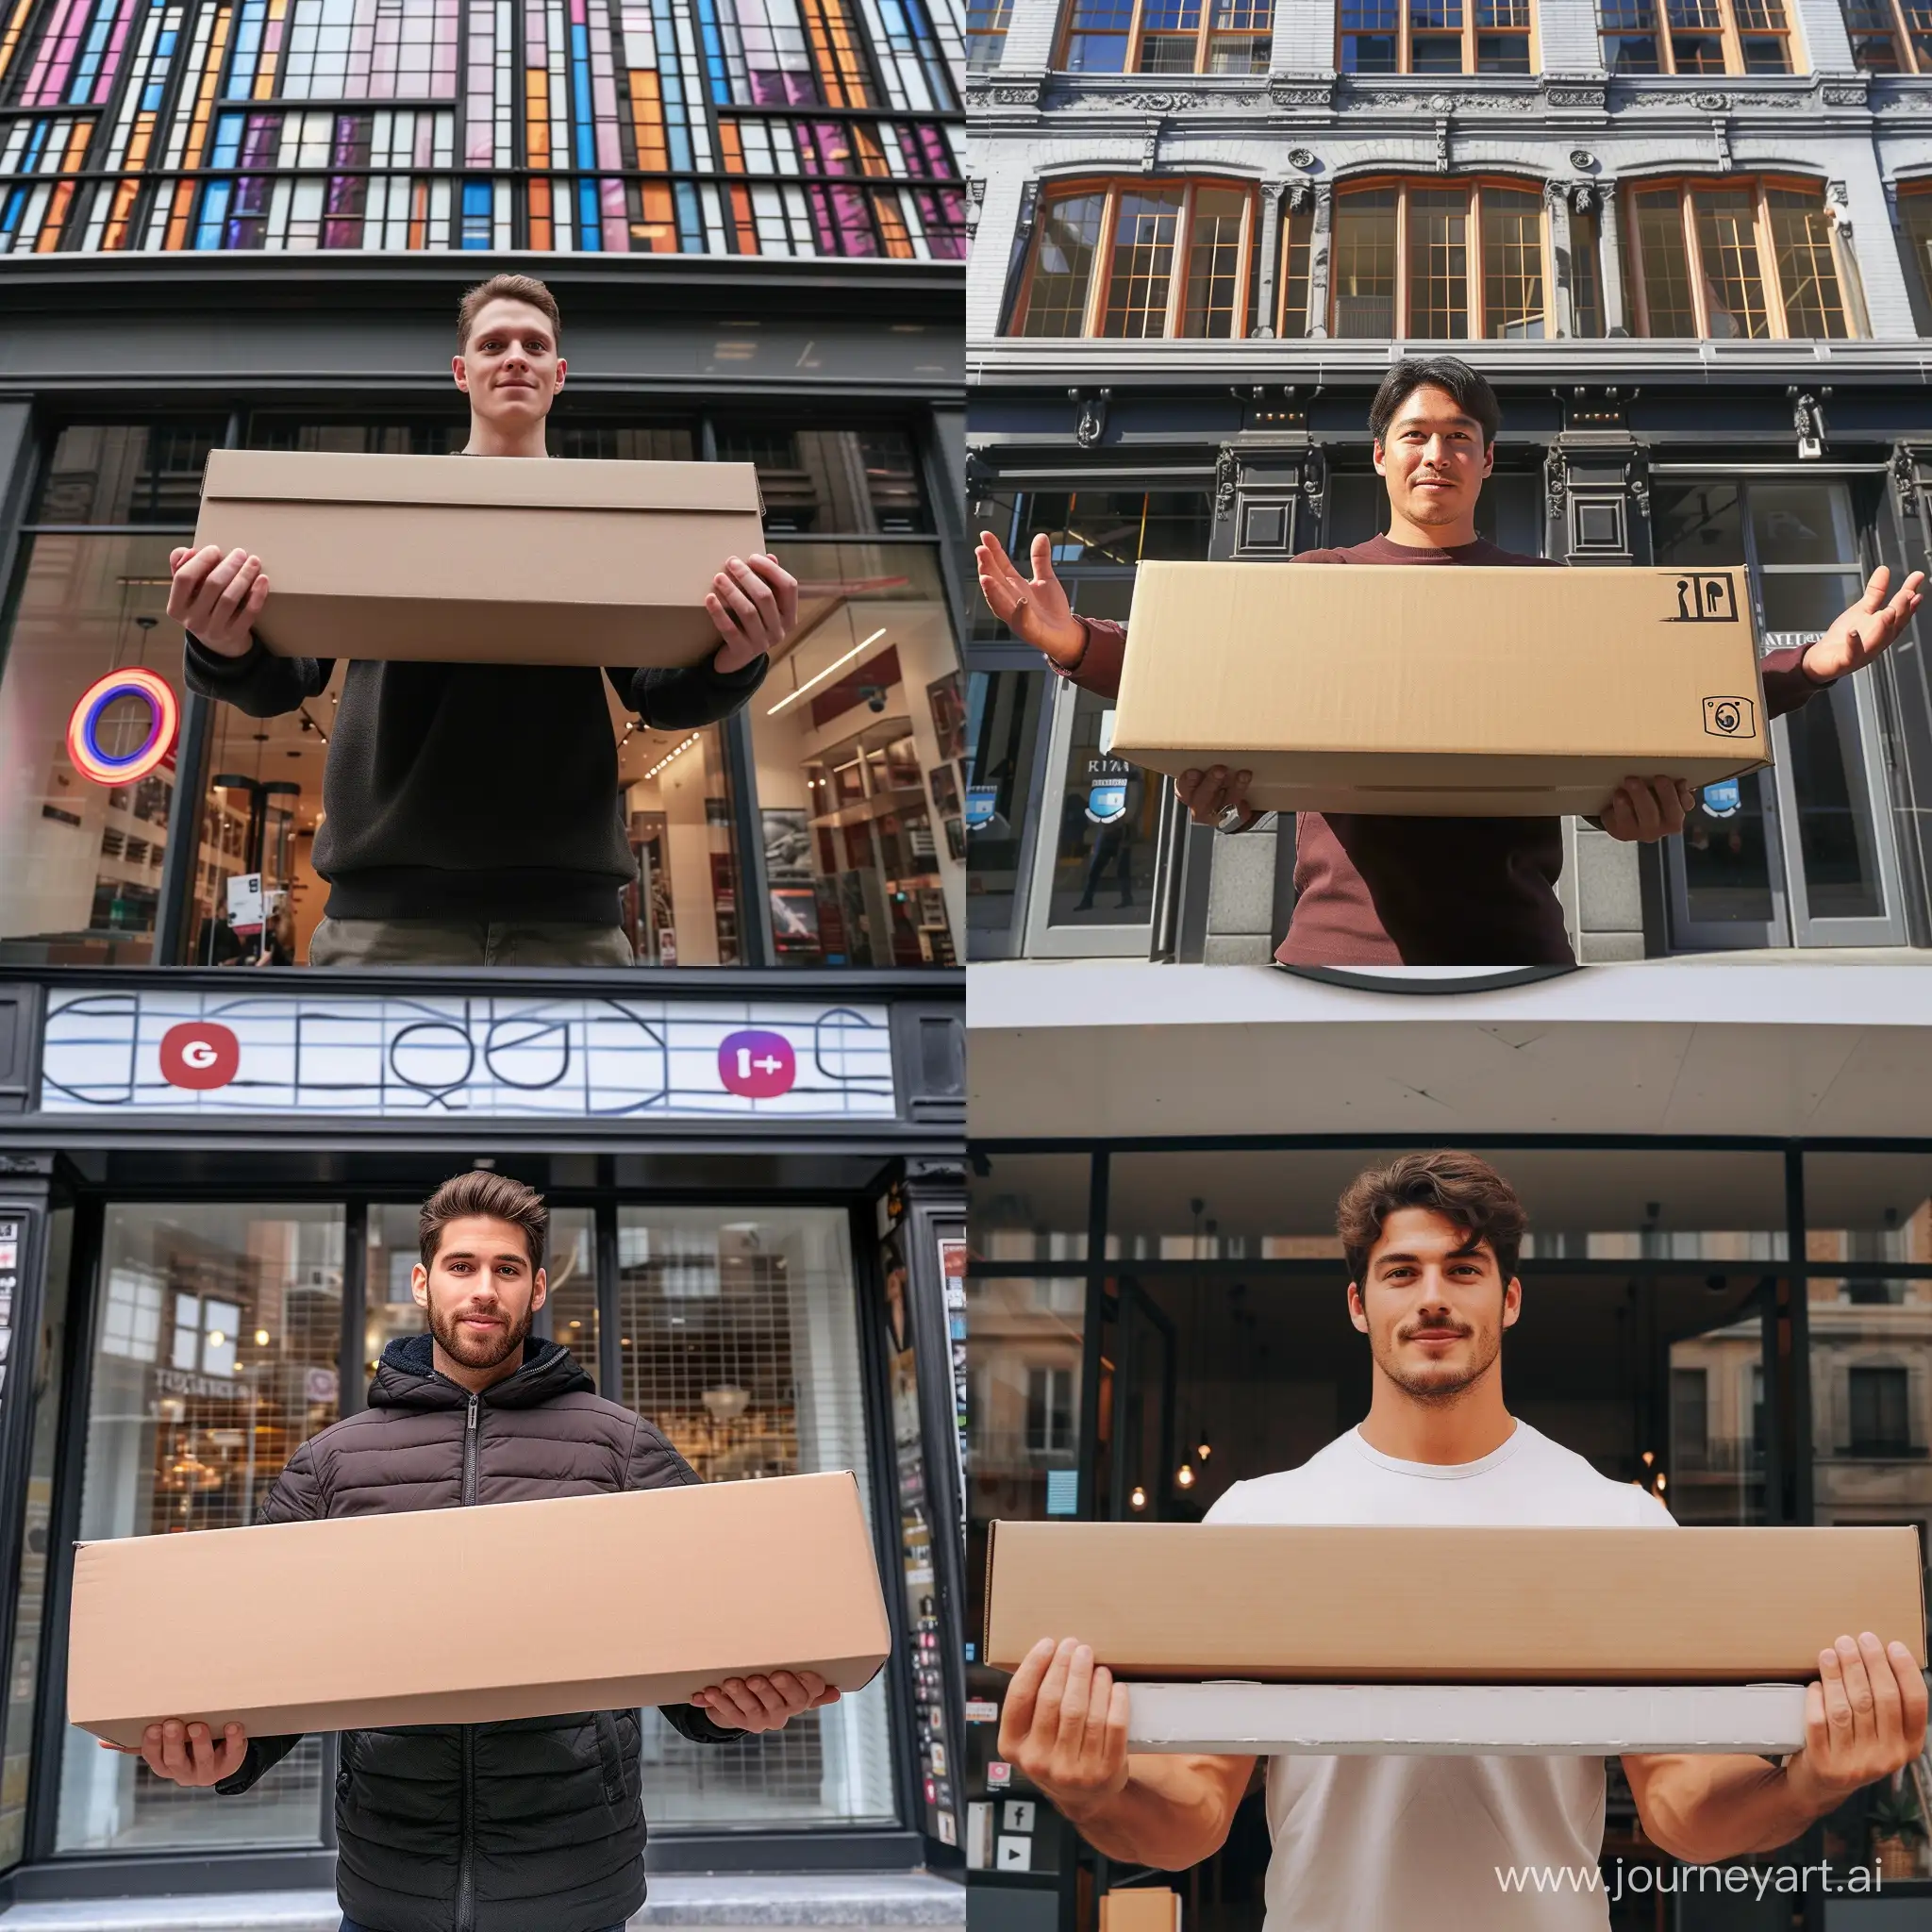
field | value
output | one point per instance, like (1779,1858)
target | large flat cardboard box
(1440,691)
(623,1600)
(1356,1604)
(474,560)
(1466,1719)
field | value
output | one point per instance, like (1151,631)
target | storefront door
(1803,854)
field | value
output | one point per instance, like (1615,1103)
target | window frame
(1137,41)
(1729,33)
(1470,33)
(1093,304)
(1915,242)
(1474,275)
(1902,47)
(1686,188)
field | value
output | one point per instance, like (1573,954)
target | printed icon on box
(1703,599)
(1014,1854)
(757,1065)
(1730,717)
(1724,800)
(1017,1815)
(199,1055)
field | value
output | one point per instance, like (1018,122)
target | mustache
(1410,1330)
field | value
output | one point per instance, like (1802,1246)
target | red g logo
(199,1055)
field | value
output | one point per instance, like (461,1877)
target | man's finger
(1099,1699)
(1073,1731)
(1016,1714)
(727,625)
(1857,1682)
(234,1752)
(1616,819)
(1041,555)
(1888,1717)
(1642,807)
(753,585)
(770,1699)
(1118,1712)
(1838,1706)
(1911,1695)
(1670,807)
(1875,589)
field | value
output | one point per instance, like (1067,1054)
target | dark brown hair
(480,1191)
(1474,396)
(1462,1188)
(505,288)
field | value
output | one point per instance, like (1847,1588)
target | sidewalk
(885,1902)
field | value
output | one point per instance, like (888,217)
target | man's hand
(1864,630)
(1864,1719)
(216,597)
(764,1704)
(1209,794)
(1643,811)
(1036,610)
(754,606)
(186,1754)
(1065,1725)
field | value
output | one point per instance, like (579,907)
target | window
(1890,36)
(1434,37)
(1140,259)
(1915,218)
(1725,259)
(1880,1411)
(217,1356)
(1168,36)
(646,126)
(985,33)
(1696,36)
(1049,1412)
(1690,1418)
(1439,263)
(738,1335)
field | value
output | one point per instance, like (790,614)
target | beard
(1443,1381)
(475,1352)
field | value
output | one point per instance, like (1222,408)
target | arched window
(1437,260)
(1434,36)
(1168,36)
(1728,259)
(1140,257)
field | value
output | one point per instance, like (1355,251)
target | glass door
(1803,854)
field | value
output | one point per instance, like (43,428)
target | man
(1431,1243)
(1374,890)
(471,811)
(533,1826)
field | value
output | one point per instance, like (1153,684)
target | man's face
(510,369)
(1433,459)
(481,1291)
(1433,1307)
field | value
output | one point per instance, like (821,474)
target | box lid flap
(559,483)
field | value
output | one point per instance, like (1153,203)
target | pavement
(881,1901)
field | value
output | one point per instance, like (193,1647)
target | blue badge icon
(1106,800)
(1725,799)
(982,805)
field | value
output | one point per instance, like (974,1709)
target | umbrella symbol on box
(756,1065)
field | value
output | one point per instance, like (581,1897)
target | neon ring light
(165,720)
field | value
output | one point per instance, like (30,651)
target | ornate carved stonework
(1838,208)
(1443,145)
(1711,103)
(1302,90)
(1845,93)
(1008,94)
(1586,97)
(1807,419)
(976,203)
(1721,134)
(1091,425)
(1301,158)
(1224,468)
(1582,157)
(1905,480)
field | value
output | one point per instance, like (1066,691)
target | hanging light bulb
(1648,1458)
(1184,1476)
(1139,1499)
(1203,1449)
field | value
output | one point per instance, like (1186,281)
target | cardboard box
(1374,1605)
(625,1599)
(482,561)
(1140,1908)
(1418,691)
(1465,1720)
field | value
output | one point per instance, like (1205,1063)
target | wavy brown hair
(1462,1188)
(494,1195)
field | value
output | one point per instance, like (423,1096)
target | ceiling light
(819,676)
(676,751)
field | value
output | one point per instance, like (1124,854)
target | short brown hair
(505,288)
(1462,1188)
(482,1192)
(1474,395)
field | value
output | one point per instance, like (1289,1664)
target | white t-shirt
(1386,1844)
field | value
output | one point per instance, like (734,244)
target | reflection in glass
(859,735)
(1004,709)
(217,1331)
(1104,840)
(739,1338)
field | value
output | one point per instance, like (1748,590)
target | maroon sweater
(1423,892)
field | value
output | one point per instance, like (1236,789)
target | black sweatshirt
(473,791)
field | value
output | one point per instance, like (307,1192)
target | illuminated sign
(93,759)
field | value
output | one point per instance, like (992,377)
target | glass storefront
(853,750)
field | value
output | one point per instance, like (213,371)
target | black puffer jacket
(531,1826)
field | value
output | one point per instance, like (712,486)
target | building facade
(1726,1293)
(1687,245)
(247,223)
